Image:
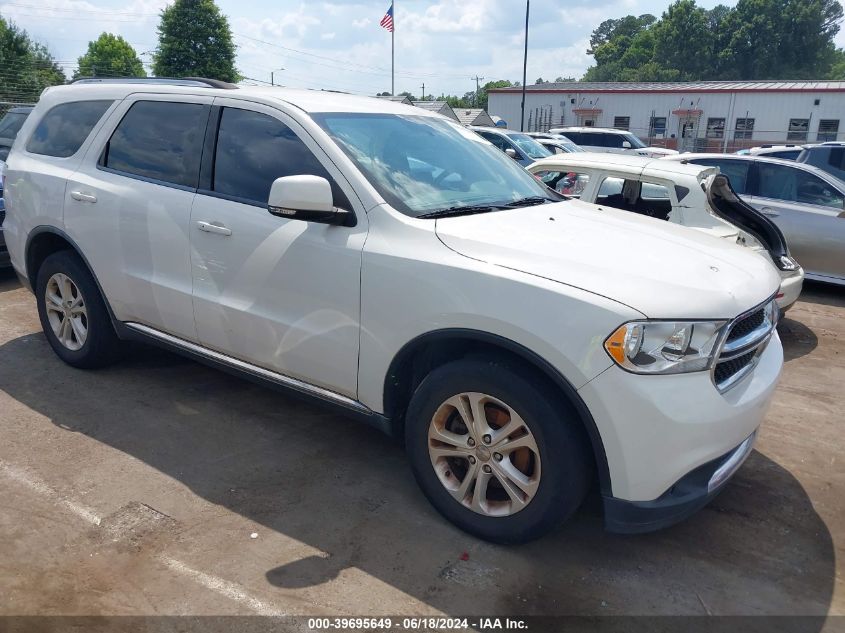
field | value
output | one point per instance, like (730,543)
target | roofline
(518,90)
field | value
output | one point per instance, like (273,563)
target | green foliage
(837,70)
(27,67)
(110,56)
(194,40)
(757,39)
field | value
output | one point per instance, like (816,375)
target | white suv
(611,141)
(387,261)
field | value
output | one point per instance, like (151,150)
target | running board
(252,370)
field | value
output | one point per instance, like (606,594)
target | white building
(699,116)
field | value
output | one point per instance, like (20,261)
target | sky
(443,44)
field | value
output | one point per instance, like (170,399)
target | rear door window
(253,149)
(63,130)
(159,140)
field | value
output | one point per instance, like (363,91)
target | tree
(110,56)
(194,40)
(27,66)
(682,40)
(757,39)
(563,80)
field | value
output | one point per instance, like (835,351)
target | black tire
(101,346)
(563,449)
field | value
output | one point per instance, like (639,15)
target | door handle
(212,227)
(769,211)
(83,197)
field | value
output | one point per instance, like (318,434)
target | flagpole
(392,49)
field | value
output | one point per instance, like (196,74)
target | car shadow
(347,490)
(8,279)
(798,340)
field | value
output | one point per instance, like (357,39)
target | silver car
(807,203)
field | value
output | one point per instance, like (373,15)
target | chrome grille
(747,337)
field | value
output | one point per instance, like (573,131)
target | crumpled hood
(659,269)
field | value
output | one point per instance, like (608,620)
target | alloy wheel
(66,311)
(484,454)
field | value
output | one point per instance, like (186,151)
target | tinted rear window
(159,140)
(63,130)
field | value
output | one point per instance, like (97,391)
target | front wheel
(497,455)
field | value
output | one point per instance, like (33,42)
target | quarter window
(159,140)
(63,130)
(253,149)
(798,129)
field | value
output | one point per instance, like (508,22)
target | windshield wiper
(527,202)
(460,210)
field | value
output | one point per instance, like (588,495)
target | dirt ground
(160,486)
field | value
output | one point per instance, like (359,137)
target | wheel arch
(433,349)
(45,240)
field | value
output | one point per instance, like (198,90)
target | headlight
(665,347)
(787,263)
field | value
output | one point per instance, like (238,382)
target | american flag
(387,20)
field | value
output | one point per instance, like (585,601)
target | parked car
(807,204)
(518,145)
(556,143)
(5,262)
(13,119)
(609,140)
(385,260)
(787,152)
(829,157)
(684,194)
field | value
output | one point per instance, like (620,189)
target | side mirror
(512,153)
(626,145)
(306,198)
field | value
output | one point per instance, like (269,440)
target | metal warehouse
(698,116)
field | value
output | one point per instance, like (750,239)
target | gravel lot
(160,486)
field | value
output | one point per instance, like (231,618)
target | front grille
(747,324)
(728,368)
(747,337)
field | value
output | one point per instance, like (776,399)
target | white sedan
(696,196)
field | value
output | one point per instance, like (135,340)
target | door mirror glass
(626,145)
(512,153)
(306,198)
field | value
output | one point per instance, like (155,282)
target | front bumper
(691,493)
(659,429)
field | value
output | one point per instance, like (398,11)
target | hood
(659,269)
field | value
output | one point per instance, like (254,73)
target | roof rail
(168,81)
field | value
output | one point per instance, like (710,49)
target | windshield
(421,164)
(634,141)
(11,123)
(529,146)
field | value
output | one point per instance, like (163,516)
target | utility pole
(272,77)
(423,93)
(477,80)
(525,65)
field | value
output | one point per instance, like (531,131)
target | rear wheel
(497,455)
(73,314)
